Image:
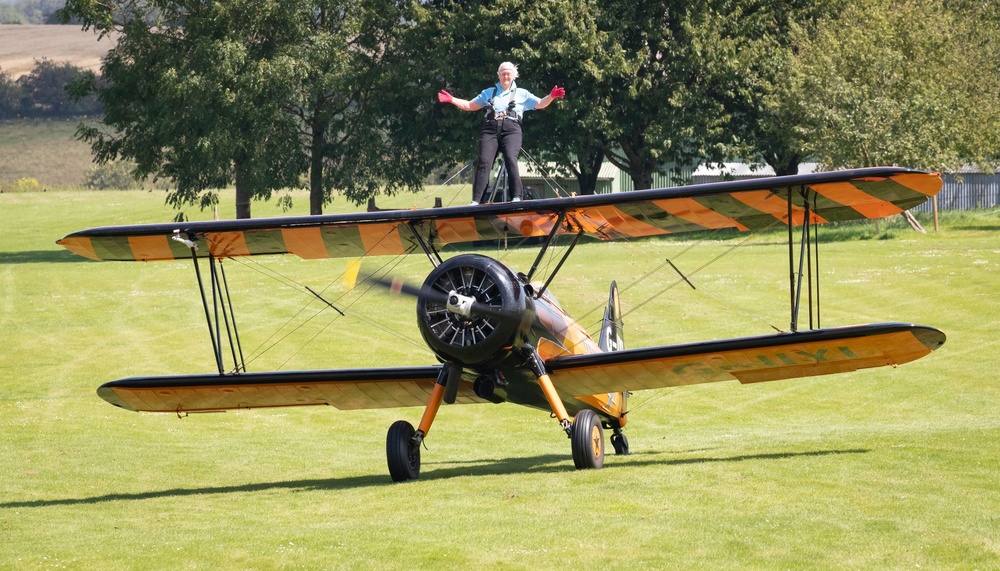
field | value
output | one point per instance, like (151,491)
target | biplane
(498,333)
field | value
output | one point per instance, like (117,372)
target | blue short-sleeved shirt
(524,100)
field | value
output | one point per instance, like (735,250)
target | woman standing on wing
(505,105)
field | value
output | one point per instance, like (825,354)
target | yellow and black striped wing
(747,360)
(344,389)
(744,205)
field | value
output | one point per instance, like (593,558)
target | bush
(115,175)
(10,96)
(22,185)
(45,93)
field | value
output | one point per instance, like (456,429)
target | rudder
(612,338)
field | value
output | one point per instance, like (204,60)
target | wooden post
(934,206)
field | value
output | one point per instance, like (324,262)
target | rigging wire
(558,190)
(269,343)
(394,263)
(461,188)
(729,304)
(667,262)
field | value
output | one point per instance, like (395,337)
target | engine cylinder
(476,339)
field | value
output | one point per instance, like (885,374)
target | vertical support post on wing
(791,260)
(241,365)
(221,287)
(216,351)
(819,321)
(500,182)
(803,246)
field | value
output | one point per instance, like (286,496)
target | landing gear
(620,442)
(587,438)
(402,443)
(402,450)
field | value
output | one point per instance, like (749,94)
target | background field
(22,45)
(889,468)
(27,147)
(45,150)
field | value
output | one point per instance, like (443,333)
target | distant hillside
(47,151)
(21,45)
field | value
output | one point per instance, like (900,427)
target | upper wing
(345,389)
(748,360)
(743,204)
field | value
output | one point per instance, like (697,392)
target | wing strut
(204,302)
(548,241)
(808,251)
(561,262)
(432,254)
(222,307)
(226,303)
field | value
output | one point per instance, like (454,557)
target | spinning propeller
(467,306)
(471,311)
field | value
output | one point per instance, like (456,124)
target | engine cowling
(474,338)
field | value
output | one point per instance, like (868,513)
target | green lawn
(885,468)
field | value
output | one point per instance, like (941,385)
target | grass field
(882,469)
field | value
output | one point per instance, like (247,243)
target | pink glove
(444,96)
(557,92)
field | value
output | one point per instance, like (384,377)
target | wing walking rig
(498,335)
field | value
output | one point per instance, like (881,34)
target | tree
(660,102)
(194,93)
(256,93)
(750,40)
(907,82)
(352,99)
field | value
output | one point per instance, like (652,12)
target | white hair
(510,65)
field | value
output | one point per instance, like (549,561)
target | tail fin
(611,329)
(612,340)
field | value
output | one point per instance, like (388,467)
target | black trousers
(506,139)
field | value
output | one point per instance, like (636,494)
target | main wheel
(402,454)
(587,438)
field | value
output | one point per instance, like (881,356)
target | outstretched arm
(463,104)
(556,93)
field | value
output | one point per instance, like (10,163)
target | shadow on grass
(40,257)
(546,463)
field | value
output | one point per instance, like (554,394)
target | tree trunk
(316,192)
(784,165)
(641,179)
(590,167)
(243,190)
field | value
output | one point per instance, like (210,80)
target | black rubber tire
(587,439)
(620,443)
(402,455)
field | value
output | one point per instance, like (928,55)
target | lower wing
(748,359)
(345,389)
